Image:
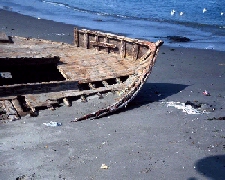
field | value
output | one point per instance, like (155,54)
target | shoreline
(62,32)
(15,24)
(147,139)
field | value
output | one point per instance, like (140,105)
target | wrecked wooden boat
(99,74)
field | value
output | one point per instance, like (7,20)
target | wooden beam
(97,41)
(76,37)
(86,40)
(135,51)
(106,40)
(18,107)
(123,49)
(103,44)
(10,110)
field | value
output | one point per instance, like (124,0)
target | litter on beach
(185,108)
(104,166)
(206,93)
(191,107)
(52,124)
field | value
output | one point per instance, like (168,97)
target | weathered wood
(47,99)
(97,72)
(96,41)
(103,44)
(18,107)
(10,110)
(76,37)
(135,51)
(106,40)
(112,36)
(20,89)
(123,49)
(86,40)
(37,101)
(3,115)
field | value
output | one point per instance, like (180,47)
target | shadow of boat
(212,167)
(153,92)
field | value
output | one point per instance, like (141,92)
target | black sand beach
(147,140)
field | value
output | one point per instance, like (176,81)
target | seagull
(181,13)
(172,12)
(221,13)
(204,10)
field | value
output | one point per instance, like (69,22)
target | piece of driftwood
(98,74)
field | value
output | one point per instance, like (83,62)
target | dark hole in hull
(124,78)
(23,70)
(111,81)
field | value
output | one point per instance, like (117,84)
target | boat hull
(100,72)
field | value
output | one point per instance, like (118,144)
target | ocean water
(202,21)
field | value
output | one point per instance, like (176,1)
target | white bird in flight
(172,12)
(204,10)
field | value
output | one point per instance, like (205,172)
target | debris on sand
(216,118)
(185,108)
(52,124)
(104,166)
(192,107)
(206,93)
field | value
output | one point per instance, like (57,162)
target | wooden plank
(123,49)
(97,41)
(34,101)
(18,107)
(135,51)
(103,44)
(76,37)
(3,115)
(10,110)
(86,40)
(19,89)
(113,36)
(106,40)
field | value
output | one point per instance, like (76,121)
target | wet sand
(147,140)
